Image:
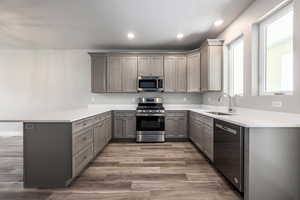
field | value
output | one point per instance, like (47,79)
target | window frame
(262,37)
(230,73)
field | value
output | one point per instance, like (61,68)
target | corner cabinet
(193,72)
(175,71)
(211,65)
(150,65)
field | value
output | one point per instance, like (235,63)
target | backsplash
(120,98)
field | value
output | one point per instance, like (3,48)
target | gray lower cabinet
(124,125)
(56,153)
(202,133)
(102,132)
(176,124)
(99,136)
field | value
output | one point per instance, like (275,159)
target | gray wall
(34,81)
(45,80)
(42,80)
(243,25)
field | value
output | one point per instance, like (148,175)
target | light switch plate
(277,104)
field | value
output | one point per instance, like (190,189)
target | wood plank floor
(124,171)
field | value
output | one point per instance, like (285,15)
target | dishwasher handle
(227,129)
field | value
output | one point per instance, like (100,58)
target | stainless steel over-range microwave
(150,84)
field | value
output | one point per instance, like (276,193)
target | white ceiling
(104,24)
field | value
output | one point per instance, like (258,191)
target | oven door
(150,123)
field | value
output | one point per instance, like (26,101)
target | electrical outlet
(93,99)
(184,99)
(277,104)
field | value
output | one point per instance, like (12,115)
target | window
(276,52)
(236,67)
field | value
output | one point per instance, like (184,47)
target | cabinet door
(192,129)
(176,124)
(114,74)
(130,127)
(118,127)
(193,73)
(99,137)
(170,74)
(176,127)
(129,73)
(204,68)
(98,73)
(108,129)
(181,74)
(209,142)
(200,135)
(214,74)
(150,66)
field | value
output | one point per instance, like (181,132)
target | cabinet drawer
(81,160)
(207,120)
(82,139)
(98,118)
(176,113)
(82,124)
(202,118)
(107,115)
(124,113)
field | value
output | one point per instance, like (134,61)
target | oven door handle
(150,115)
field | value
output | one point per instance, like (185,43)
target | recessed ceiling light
(180,36)
(130,36)
(219,22)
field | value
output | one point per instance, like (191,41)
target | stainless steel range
(150,120)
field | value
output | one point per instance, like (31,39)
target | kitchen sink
(219,113)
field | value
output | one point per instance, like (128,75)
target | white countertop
(243,117)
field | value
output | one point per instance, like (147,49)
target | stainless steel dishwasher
(229,152)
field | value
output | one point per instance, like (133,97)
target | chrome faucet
(230,105)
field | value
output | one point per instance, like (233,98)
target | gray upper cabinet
(129,73)
(98,62)
(175,71)
(211,65)
(193,72)
(114,74)
(122,74)
(150,65)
